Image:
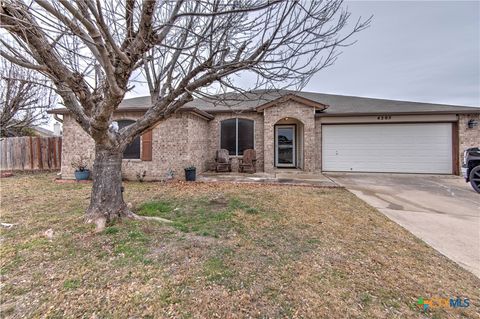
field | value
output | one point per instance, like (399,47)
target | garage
(388,148)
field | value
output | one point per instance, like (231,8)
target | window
(132,151)
(236,135)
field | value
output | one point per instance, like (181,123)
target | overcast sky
(414,50)
(426,51)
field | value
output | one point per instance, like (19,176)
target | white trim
(294,146)
(388,148)
(129,119)
(389,118)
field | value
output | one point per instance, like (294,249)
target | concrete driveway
(444,211)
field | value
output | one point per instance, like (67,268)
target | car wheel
(475,178)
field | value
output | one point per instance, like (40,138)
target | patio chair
(247,164)
(223,161)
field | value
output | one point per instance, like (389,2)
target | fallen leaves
(244,250)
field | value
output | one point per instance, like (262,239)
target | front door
(285,146)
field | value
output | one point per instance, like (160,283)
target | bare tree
(185,49)
(24,99)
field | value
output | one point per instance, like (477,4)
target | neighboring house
(305,131)
(42,132)
(30,131)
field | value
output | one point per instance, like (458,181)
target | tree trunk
(106,202)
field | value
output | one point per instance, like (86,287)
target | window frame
(139,140)
(295,149)
(236,133)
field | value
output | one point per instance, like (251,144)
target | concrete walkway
(443,211)
(281,177)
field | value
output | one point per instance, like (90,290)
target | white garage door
(402,148)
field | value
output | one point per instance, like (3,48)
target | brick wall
(75,142)
(178,142)
(468,137)
(198,142)
(294,110)
(187,139)
(318,144)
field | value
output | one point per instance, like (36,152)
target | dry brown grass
(234,251)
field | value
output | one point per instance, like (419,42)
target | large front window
(236,135)
(132,151)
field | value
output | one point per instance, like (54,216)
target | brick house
(312,132)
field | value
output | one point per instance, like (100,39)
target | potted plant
(190,173)
(81,171)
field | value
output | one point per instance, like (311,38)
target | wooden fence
(30,153)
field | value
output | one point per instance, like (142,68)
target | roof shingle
(337,104)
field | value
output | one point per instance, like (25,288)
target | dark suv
(471,167)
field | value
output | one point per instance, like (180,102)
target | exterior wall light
(472,123)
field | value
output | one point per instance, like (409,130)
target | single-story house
(34,130)
(304,131)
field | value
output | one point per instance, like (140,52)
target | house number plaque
(384,117)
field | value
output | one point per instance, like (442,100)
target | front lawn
(232,251)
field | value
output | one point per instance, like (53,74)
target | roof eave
(292,97)
(201,113)
(396,113)
(126,109)
(57,111)
(198,112)
(217,111)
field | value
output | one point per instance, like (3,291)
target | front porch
(278,176)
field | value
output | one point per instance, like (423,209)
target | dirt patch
(219,203)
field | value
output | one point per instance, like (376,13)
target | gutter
(194,110)
(57,111)
(474,111)
(129,109)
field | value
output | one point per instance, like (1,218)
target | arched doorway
(288,133)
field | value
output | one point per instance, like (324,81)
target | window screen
(132,151)
(245,135)
(228,136)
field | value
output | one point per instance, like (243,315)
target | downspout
(55,116)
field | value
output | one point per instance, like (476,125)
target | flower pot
(190,174)
(82,175)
